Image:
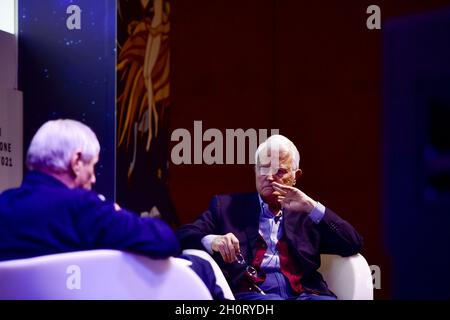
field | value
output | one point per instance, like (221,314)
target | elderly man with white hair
(268,243)
(54,210)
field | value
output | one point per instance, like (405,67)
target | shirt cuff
(207,242)
(317,213)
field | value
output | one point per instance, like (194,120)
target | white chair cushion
(100,274)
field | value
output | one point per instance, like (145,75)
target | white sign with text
(11,138)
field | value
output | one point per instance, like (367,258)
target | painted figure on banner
(143,107)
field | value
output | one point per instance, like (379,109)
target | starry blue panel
(67,73)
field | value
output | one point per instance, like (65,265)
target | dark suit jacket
(239,214)
(43,216)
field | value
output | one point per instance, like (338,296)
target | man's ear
(298,174)
(75,163)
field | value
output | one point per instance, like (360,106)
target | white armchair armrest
(100,275)
(349,278)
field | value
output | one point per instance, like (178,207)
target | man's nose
(93,179)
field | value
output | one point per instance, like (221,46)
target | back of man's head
(56,141)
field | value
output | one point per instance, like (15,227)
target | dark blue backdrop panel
(70,73)
(417,154)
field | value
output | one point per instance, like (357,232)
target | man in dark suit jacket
(55,211)
(269,243)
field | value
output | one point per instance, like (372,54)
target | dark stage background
(70,73)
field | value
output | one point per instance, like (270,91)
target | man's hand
(227,245)
(293,199)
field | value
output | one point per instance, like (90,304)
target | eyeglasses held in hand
(250,270)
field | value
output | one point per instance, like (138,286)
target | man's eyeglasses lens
(251,271)
(241,260)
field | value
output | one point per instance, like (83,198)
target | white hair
(282,144)
(56,141)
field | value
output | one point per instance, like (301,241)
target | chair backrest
(220,278)
(100,274)
(349,278)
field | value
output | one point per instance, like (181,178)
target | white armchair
(100,274)
(349,278)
